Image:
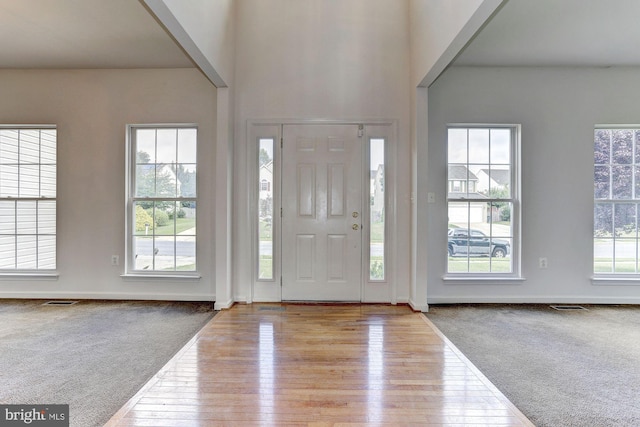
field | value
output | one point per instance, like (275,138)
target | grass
(377,232)
(265,269)
(622,265)
(182,224)
(479,265)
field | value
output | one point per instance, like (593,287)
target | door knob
(355,226)
(355,214)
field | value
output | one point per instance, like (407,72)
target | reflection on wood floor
(318,365)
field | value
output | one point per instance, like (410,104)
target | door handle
(355,227)
(355,214)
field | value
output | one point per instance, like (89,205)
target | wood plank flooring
(318,366)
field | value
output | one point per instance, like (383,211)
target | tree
(263,157)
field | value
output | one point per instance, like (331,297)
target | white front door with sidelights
(322,212)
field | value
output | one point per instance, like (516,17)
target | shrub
(142,219)
(162,218)
(181,213)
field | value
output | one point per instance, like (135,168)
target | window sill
(483,279)
(611,281)
(164,277)
(29,275)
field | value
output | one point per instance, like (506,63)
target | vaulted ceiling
(123,34)
(84,34)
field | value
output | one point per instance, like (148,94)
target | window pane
(7,252)
(164,252)
(457,146)
(625,256)
(602,255)
(48,146)
(603,220)
(376,212)
(265,208)
(602,147)
(7,217)
(479,146)
(622,182)
(500,146)
(186,174)
(145,146)
(9,146)
(187,139)
(145,181)
(26,217)
(499,183)
(166,145)
(47,252)
(47,217)
(166,181)
(186,253)
(29,185)
(143,253)
(48,180)
(622,147)
(29,146)
(9,181)
(26,248)
(601,181)
(624,221)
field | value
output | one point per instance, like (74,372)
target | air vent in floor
(567,307)
(63,303)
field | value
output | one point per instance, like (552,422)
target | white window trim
(35,273)
(612,278)
(129,272)
(515,276)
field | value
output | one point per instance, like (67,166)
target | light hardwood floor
(319,365)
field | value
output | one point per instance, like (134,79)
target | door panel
(321,191)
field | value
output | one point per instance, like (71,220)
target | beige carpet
(569,368)
(92,355)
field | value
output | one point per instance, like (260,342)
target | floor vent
(60,302)
(567,307)
(271,308)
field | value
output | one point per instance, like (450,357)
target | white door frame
(371,291)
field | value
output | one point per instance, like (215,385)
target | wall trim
(220,305)
(107,296)
(418,307)
(533,300)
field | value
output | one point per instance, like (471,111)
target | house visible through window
(28,198)
(481,199)
(162,199)
(616,200)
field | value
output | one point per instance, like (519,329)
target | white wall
(557,109)
(321,59)
(205,29)
(440,29)
(91,109)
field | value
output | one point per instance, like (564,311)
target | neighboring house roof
(268,166)
(461,173)
(460,195)
(499,176)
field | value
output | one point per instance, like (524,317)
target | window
(265,209)
(27,198)
(376,210)
(616,195)
(482,199)
(162,199)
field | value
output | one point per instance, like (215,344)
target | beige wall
(91,109)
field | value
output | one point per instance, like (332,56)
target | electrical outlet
(542,263)
(115,260)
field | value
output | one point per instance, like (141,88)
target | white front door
(321,212)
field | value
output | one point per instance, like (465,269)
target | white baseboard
(107,296)
(533,300)
(418,307)
(223,305)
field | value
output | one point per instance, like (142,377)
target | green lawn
(182,224)
(479,265)
(622,265)
(377,232)
(265,270)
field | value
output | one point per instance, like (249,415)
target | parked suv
(474,242)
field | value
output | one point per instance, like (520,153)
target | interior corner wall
(557,108)
(314,60)
(91,109)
